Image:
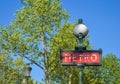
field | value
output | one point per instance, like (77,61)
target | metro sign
(91,57)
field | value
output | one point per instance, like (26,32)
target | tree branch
(33,62)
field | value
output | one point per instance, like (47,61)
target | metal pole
(81,68)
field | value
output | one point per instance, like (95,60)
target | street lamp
(27,70)
(80,31)
(80,57)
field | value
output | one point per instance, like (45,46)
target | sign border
(86,64)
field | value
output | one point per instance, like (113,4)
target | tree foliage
(11,64)
(37,33)
(30,33)
(10,69)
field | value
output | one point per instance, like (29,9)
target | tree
(111,69)
(11,64)
(9,74)
(30,33)
(36,35)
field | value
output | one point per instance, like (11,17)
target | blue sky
(102,18)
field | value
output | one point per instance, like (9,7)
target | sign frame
(86,64)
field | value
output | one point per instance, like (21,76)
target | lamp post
(80,57)
(80,31)
(27,70)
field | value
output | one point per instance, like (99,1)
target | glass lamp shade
(80,29)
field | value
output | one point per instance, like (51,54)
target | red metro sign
(81,57)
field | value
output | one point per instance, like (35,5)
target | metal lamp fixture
(80,29)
